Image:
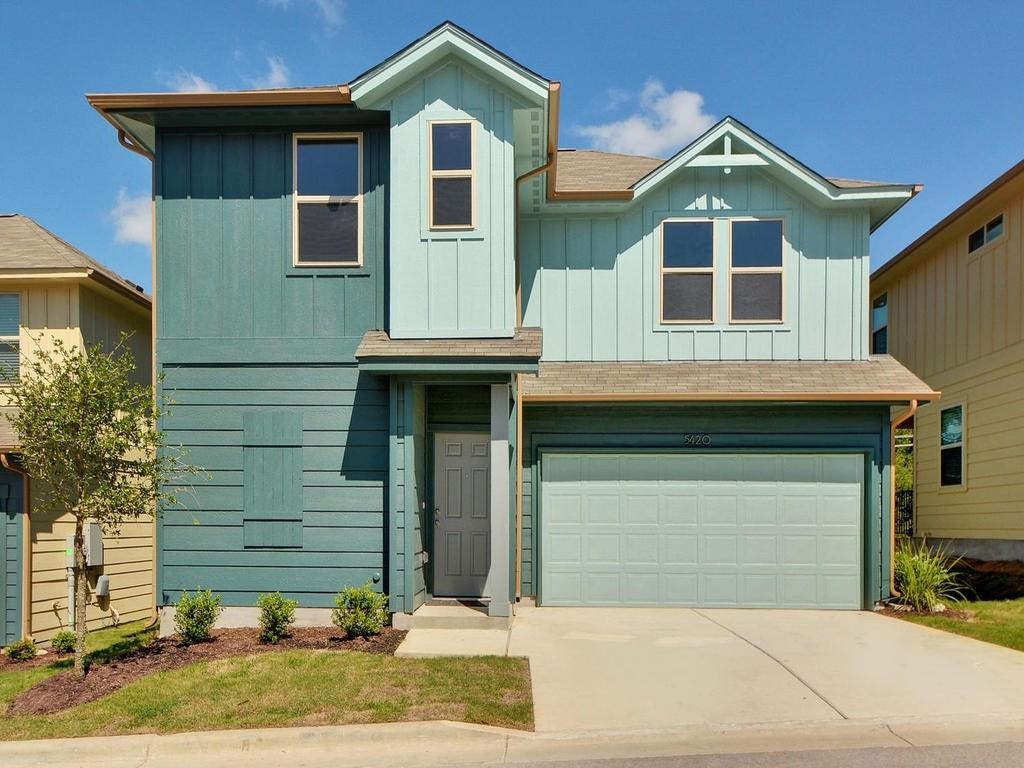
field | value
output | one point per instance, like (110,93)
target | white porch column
(497,578)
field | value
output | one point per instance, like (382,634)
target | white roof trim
(730,126)
(445,40)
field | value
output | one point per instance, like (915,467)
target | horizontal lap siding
(853,428)
(11,523)
(345,463)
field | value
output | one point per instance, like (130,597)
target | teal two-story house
(416,344)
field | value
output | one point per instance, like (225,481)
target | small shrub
(23,650)
(195,615)
(63,641)
(276,615)
(924,578)
(359,611)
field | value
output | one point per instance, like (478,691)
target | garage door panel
(728,535)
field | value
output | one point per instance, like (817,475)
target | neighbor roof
(25,246)
(878,379)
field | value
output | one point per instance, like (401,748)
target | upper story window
(880,325)
(755,277)
(687,271)
(327,200)
(984,235)
(10,329)
(951,446)
(451,198)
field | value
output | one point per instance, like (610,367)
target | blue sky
(914,92)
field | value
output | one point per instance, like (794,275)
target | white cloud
(277,75)
(132,215)
(184,81)
(331,12)
(665,122)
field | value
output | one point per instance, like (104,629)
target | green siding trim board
(11,542)
(765,429)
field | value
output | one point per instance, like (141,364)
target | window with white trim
(10,330)
(688,271)
(755,271)
(451,193)
(880,325)
(951,446)
(328,200)
(985,235)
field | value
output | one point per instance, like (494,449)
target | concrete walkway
(411,745)
(619,670)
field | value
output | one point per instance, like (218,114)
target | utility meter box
(102,586)
(93,535)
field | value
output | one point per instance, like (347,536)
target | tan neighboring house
(50,290)
(949,307)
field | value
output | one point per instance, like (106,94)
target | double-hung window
(688,271)
(451,198)
(755,274)
(880,325)
(985,235)
(328,200)
(10,328)
(951,446)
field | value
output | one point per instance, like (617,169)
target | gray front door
(462,514)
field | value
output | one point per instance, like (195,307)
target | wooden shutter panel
(272,472)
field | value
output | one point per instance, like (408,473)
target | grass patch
(293,688)
(995,621)
(278,689)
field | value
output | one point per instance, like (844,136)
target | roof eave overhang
(893,398)
(444,40)
(447,365)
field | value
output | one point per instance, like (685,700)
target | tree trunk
(81,596)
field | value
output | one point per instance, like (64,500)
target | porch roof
(880,378)
(378,352)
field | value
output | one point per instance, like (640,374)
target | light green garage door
(716,530)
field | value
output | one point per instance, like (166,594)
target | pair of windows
(688,270)
(985,235)
(10,328)
(328,191)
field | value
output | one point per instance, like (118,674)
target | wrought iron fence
(904,513)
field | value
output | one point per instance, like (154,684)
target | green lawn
(995,621)
(288,688)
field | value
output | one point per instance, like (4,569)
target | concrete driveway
(615,669)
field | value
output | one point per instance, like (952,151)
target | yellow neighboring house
(949,307)
(51,290)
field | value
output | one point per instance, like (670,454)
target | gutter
(26,546)
(896,421)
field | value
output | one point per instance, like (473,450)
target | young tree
(90,442)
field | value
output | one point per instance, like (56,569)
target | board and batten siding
(103,321)
(593,281)
(955,319)
(780,429)
(452,283)
(258,358)
(12,527)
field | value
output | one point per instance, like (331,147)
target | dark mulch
(902,612)
(42,660)
(63,690)
(991,580)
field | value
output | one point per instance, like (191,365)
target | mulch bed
(64,690)
(899,611)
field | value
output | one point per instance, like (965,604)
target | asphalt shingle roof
(527,343)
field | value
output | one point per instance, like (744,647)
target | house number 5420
(696,438)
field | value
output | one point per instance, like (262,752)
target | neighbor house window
(10,328)
(984,235)
(451,175)
(328,200)
(951,445)
(755,274)
(880,325)
(687,272)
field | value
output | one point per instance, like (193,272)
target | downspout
(26,546)
(897,420)
(554,90)
(125,141)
